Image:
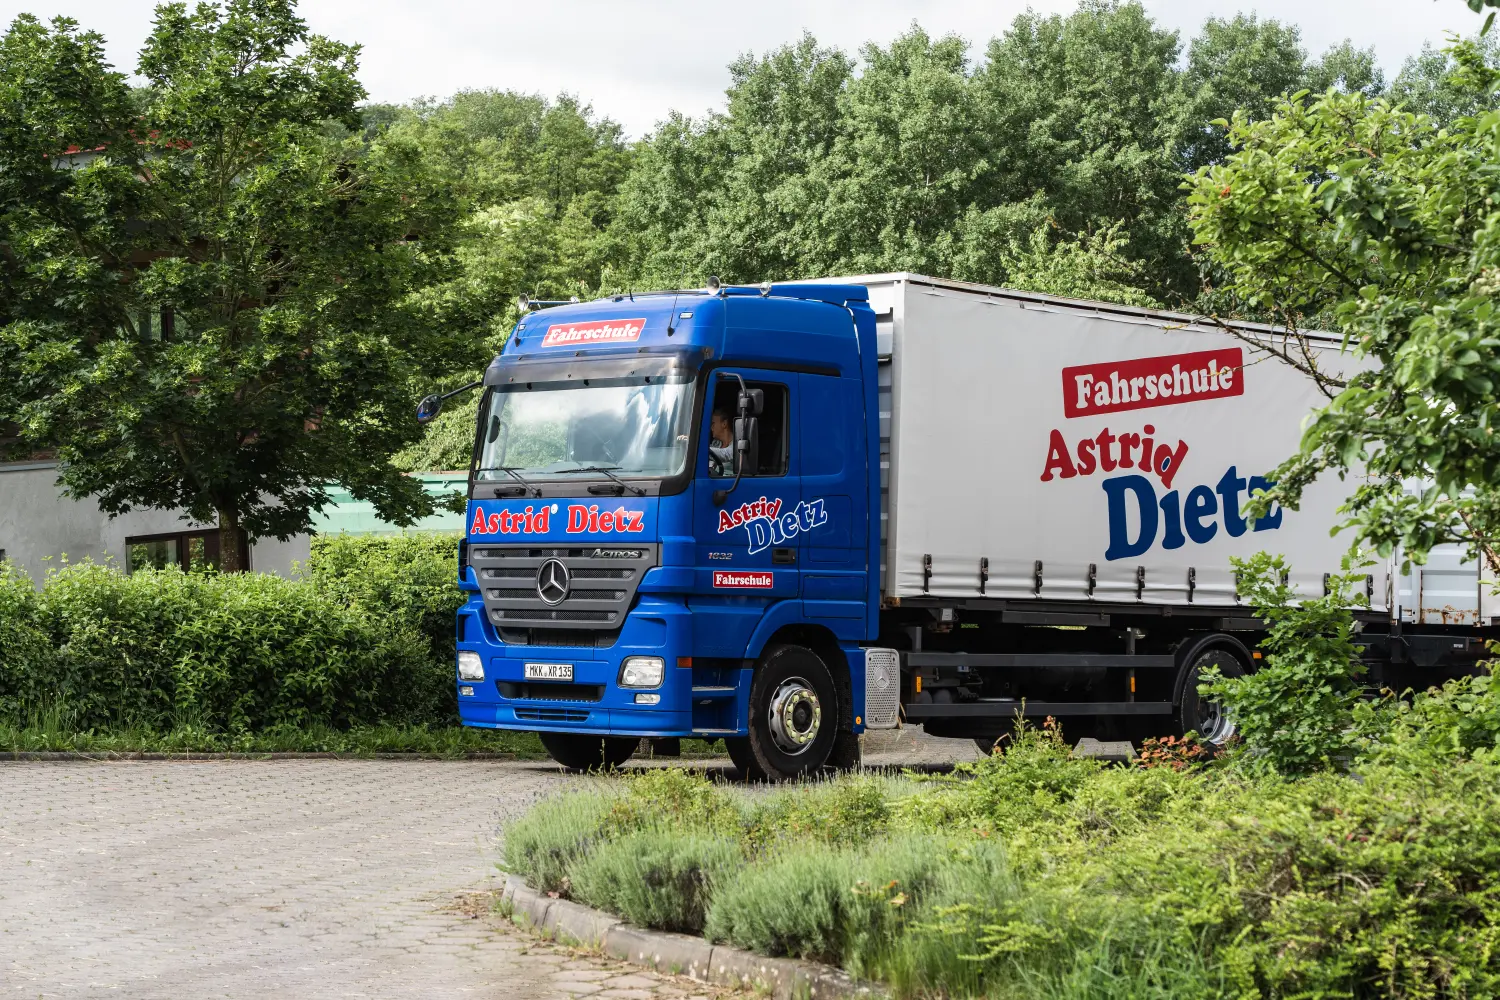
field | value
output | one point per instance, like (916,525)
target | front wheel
(794,714)
(578,752)
(1197,714)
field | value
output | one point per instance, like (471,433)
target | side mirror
(747,443)
(752,402)
(429,408)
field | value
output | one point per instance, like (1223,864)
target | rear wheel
(794,713)
(986,744)
(1203,716)
(578,752)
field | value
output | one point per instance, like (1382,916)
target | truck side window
(775,427)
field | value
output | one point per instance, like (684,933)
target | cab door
(747,545)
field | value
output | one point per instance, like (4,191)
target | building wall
(38,526)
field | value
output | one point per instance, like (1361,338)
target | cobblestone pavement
(290,878)
(277,878)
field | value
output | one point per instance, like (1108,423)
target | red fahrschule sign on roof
(604,331)
(1141,382)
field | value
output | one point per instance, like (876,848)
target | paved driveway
(284,878)
(279,878)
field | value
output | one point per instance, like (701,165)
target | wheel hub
(795,715)
(1217,726)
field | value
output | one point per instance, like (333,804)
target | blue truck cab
(673,529)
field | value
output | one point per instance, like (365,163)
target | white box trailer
(1050,462)
(1018,431)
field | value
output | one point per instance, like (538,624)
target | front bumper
(703,700)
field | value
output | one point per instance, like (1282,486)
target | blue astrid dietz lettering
(1115,489)
(1169,516)
(765,532)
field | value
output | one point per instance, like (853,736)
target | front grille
(552,715)
(600,587)
(586,638)
(542,617)
(549,691)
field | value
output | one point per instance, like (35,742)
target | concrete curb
(107,755)
(679,954)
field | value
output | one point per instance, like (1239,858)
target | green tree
(1348,210)
(1427,85)
(537,180)
(914,158)
(206,280)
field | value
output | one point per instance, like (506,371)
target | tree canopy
(1355,211)
(207,279)
(227,286)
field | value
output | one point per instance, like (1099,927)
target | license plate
(549,671)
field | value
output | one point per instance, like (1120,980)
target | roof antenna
(675,292)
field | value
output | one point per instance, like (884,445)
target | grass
(445,742)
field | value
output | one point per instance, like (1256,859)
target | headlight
(470,667)
(642,671)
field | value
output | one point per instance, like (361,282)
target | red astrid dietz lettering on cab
(1137,383)
(604,331)
(729,580)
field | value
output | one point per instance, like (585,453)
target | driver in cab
(720,445)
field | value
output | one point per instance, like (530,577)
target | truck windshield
(637,429)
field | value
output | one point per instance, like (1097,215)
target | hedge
(364,638)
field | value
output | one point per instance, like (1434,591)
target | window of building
(775,426)
(186,549)
(152,323)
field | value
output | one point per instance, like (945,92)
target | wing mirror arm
(431,406)
(746,435)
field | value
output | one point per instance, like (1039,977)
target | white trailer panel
(1017,430)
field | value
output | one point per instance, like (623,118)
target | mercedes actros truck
(783,515)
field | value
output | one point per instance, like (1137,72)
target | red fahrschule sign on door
(1141,382)
(604,331)
(743,581)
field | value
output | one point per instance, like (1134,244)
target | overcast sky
(636,60)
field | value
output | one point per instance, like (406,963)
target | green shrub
(1035,879)
(248,652)
(27,659)
(835,904)
(850,811)
(797,904)
(674,799)
(410,577)
(543,846)
(1295,713)
(659,878)
(1031,781)
(1459,720)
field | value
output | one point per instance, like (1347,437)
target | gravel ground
(290,878)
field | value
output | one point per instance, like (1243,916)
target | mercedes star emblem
(552,582)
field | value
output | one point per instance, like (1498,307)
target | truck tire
(794,713)
(578,752)
(1195,713)
(744,760)
(846,754)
